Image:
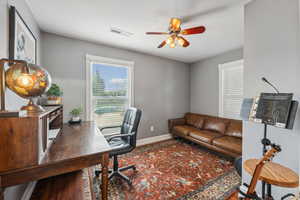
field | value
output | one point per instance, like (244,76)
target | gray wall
(204,83)
(273,53)
(161,86)
(14,102)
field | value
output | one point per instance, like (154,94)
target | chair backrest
(130,124)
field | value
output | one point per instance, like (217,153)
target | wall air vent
(120,31)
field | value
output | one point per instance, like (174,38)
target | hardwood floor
(68,186)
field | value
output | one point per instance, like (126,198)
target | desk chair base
(116,171)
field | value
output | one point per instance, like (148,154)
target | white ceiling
(91,20)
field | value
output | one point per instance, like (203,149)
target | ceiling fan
(175,33)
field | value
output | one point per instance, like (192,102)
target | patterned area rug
(173,170)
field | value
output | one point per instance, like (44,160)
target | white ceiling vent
(120,31)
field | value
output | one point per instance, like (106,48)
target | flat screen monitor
(273,108)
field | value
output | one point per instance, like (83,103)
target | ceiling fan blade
(157,33)
(195,30)
(162,44)
(183,42)
(175,24)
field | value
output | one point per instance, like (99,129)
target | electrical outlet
(152,128)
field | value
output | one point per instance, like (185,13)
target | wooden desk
(274,173)
(75,148)
(24,140)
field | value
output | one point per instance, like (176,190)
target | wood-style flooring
(67,186)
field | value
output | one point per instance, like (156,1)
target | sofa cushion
(229,143)
(235,129)
(183,130)
(194,120)
(215,125)
(204,136)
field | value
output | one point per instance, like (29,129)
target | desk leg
(1,193)
(1,190)
(104,184)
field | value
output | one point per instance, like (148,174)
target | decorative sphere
(29,82)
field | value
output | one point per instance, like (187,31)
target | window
(109,90)
(231,89)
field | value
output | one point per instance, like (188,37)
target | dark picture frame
(22,42)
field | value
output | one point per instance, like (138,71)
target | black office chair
(124,142)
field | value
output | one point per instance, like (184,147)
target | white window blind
(110,86)
(231,89)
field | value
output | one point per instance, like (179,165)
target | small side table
(274,174)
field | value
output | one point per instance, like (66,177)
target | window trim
(232,64)
(106,61)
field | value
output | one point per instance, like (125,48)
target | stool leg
(263,189)
(269,191)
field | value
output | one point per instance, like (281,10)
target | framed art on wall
(22,42)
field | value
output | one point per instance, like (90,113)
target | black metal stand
(266,142)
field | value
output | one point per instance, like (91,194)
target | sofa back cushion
(235,128)
(194,120)
(215,124)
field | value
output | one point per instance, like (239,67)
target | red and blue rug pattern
(174,170)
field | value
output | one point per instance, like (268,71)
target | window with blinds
(110,90)
(231,89)
(110,94)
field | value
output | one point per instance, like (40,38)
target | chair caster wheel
(97,173)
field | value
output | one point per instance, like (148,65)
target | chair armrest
(175,122)
(109,127)
(106,136)
(120,136)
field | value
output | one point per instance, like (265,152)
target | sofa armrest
(175,122)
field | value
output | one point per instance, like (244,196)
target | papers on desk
(52,135)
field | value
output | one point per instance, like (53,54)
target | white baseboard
(154,139)
(29,190)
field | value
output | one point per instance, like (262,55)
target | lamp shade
(27,81)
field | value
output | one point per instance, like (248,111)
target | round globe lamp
(27,81)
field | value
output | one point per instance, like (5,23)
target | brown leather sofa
(218,134)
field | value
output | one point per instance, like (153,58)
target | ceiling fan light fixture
(175,33)
(170,40)
(173,45)
(180,41)
(175,24)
